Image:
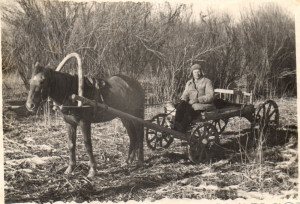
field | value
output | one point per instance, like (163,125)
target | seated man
(198,96)
(199,91)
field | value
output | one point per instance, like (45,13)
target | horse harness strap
(97,96)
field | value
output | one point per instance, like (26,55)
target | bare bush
(268,37)
(257,51)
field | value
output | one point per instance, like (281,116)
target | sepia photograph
(149,101)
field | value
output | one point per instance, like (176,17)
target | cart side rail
(235,96)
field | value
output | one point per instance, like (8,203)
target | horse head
(39,88)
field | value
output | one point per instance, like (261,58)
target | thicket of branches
(256,51)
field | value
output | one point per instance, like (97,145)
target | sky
(233,7)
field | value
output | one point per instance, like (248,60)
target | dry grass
(36,155)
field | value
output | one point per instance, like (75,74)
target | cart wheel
(156,138)
(267,117)
(220,124)
(201,143)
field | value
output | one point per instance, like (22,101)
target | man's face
(196,74)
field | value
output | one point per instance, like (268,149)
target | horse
(120,92)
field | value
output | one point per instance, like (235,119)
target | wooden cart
(205,130)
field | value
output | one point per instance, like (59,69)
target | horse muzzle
(31,107)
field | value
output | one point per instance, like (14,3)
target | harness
(98,98)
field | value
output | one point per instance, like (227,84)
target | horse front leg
(72,147)
(86,132)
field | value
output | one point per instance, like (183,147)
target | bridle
(44,94)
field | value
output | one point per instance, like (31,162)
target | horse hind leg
(86,132)
(72,147)
(139,145)
(139,137)
(132,137)
(139,130)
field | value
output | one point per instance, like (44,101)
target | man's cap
(196,66)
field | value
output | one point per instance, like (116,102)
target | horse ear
(48,65)
(36,64)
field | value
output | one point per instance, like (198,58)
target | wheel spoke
(201,153)
(157,120)
(264,110)
(163,121)
(204,132)
(272,113)
(219,124)
(198,137)
(268,110)
(156,134)
(153,138)
(210,132)
(259,114)
(167,138)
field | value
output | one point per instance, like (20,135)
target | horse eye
(42,82)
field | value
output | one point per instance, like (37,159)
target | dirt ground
(36,156)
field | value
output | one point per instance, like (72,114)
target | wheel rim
(202,141)
(267,116)
(156,138)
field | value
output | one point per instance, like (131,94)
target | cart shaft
(121,114)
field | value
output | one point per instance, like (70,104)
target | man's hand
(201,100)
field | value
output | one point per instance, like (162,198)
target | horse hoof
(69,170)
(91,174)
